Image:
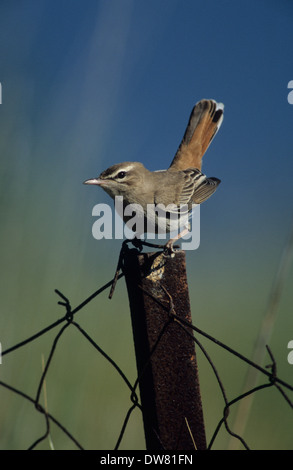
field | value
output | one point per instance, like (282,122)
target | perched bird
(175,189)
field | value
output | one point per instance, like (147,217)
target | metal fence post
(165,353)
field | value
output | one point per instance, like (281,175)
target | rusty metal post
(165,353)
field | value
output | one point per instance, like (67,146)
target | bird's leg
(169,248)
(139,243)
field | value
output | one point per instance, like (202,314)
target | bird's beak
(94,181)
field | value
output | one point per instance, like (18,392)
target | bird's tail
(204,122)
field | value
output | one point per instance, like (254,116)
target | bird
(177,189)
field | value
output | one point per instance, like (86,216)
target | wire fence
(269,374)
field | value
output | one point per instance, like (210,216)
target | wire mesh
(67,321)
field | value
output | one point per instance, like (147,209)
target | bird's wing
(197,188)
(203,192)
(193,187)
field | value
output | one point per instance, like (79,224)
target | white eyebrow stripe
(124,168)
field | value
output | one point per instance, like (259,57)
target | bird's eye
(121,175)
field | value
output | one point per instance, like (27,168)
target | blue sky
(86,84)
(118,80)
(103,82)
